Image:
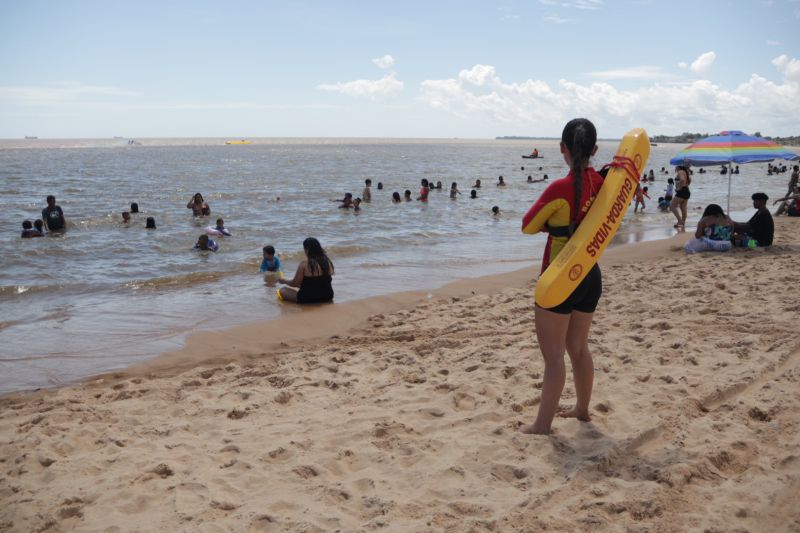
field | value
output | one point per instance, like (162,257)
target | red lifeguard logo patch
(637,160)
(575,272)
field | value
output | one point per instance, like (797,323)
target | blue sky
(403,69)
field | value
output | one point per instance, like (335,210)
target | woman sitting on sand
(312,279)
(559,210)
(714,232)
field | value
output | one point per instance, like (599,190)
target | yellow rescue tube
(598,227)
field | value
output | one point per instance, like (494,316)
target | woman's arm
(298,276)
(701,228)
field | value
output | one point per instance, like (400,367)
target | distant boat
(31,137)
(653,144)
(243,141)
(532,157)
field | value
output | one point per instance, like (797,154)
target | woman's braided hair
(580,137)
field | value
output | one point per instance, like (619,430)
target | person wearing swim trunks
(680,202)
(559,210)
(312,281)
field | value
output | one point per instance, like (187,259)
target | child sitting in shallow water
(271,262)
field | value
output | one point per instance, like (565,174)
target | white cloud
(699,105)
(556,19)
(790,68)
(703,63)
(386,61)
(386,86)
(770,42)
(683,64)
(643,72)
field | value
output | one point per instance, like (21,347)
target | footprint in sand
(508,473)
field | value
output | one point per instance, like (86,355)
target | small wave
(10,291)
(176,282)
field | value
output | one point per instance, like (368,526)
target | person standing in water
(680,202)
(53,216)
(559,211)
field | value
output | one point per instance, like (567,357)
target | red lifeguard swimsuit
(554,208)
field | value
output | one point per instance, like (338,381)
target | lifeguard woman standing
(565,327)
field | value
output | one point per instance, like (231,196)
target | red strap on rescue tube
(627,164)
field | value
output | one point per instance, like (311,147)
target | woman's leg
(582,364)
(551,331)
(673,206)
(288,293)
(684,209)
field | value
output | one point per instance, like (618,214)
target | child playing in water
(669,192)
(366,194)
(221,228)
(641,193)
(407,196)
(423,191)
(206,244)
(454,190)
(347,201)
(271,262)
(28,232)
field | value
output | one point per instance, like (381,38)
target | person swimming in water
(205,243)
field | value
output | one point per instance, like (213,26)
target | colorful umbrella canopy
(731,147)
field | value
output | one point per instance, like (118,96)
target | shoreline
(198,347)
(408,421)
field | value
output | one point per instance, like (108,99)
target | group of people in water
(426,186)
(312,281)
(54,221)
(310,284)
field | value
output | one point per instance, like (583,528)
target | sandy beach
(400,413)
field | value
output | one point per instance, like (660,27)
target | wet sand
(401,413)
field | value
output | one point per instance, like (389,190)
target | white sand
(407,422)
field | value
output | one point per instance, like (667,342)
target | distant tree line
(689,138)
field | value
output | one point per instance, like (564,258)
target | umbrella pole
(730,174)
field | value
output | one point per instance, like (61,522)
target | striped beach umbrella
(729,147)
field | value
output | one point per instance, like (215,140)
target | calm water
(105,295)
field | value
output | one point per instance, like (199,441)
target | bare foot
(531,429)
(573,413)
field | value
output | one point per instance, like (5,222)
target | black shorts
(792,211)
(585,296)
